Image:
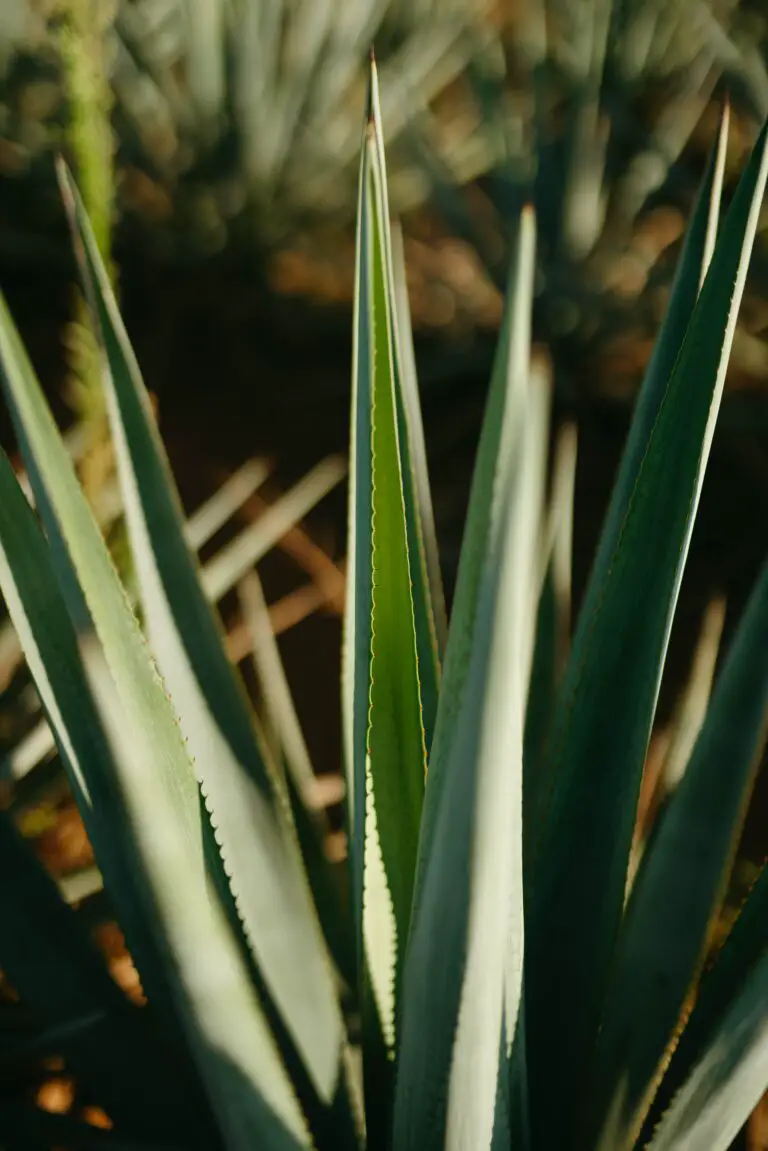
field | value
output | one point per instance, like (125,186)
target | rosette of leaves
(498,981)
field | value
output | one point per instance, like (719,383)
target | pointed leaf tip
(372,112)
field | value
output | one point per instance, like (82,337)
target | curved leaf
(213,994)
(256,841)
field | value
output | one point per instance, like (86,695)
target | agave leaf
(52,963)
(368,880)
(681,882)
(161,813)
(511,366)
(275,689)
(428,596)
(694,261)
(359,583)
(257,844)
(605,711)
(220,574)
(199,529)
(729,1079)
(663,773)
(39,614)
(517,1106)
(553,624)
(396,747)
(692,709)
(328,882)
(312,824)
(464,966)
(388,757)
(740,954)
(541,698)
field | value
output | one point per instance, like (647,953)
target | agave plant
(242,103)
(498,982)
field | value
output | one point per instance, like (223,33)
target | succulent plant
(497,982)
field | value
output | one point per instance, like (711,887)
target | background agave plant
(495,958)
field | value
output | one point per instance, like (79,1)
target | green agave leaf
(741,953)
(517,1108)
(728,1081)
(695,257)
(423,553)
(256,840)
(312,823)
(464,966)
(681,882)
(153,775)
(541,699)
(692,707)
(356,645)
(328,883)
(501,1132)
(279,709)
(375,1064)
(688,716)
(36,607)
(201,526)
(603,719)
(553,624)
(512,365)
(388,758)
(221,573)
(396,749)
(53,964)
(694,260)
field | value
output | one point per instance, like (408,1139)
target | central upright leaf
(386,748)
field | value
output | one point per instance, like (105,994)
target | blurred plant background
(216,146)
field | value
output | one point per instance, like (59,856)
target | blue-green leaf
(553,625)
(464,967)
(682,878)
(729,1079)
(599,737)
(256,840)
(161,813)
(511,369)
